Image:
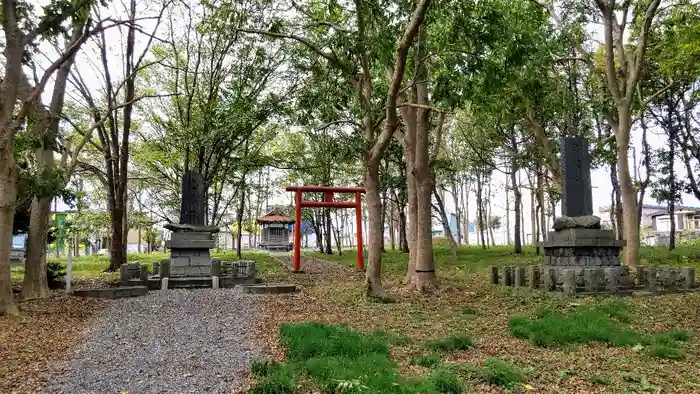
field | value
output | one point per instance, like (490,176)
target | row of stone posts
(595,280)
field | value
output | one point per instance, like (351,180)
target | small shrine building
(275,230)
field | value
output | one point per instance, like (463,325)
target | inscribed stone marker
(577,196)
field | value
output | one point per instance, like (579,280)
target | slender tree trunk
(446,224)
(480,208)
(508,239)
(392,226)
(466,214)
(629,197)
(541,202)
(672,177)
(616,208)
(458,211)
(374,230)
(517,202)
(384,204)
(239,217)
(403,240)
(329,231)
(489,215)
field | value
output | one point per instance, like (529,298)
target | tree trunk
(35,284)
(446,224)
(239,217)
(8,196)
(409,148)
(373,284)
(488,215)
(458,211)
(384,204)
(629,197)
(392,226)
(403,240)
(117,252)
(481,220)
(424,277)
(672,178)
(466,214)
(508,240)
(329,231)
(541,202)
(517,202)
(616,208)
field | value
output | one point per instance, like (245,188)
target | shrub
(468,311)
(55,272)
(502,373)
(445,382)
(452,342)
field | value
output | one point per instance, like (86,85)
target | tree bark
(458,211)
(629,197)
(329,230)
(8,196)
(672,176)
(239,217)
(488,215)
(480,208)
(541,202)
(446,224)
(466,214)
(403,240)
(517,201)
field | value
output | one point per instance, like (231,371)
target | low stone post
(216,268)
(650,280)
(611,279)
(672,275)
(688,274)
(590,280)
(143,274)
(165,268)
(520,276)
(642,276)
(164,283)
(550,282)
(569,281)
(124,273)
(214,282)
(494,275)
(534,277)
(508,276)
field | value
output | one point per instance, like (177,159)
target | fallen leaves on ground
(334,294)
(44,332)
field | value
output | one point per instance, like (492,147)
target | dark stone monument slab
(192,205)
(577,195)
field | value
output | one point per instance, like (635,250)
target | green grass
(584,325)
(427,361)
(602,323)
(456,341)
(337,359)
(502,373)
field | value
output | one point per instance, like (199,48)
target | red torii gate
(327,202)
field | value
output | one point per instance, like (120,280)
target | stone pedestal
(578,249)
(189,250)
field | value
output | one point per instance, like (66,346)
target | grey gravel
(172,341)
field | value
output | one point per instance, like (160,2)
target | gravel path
(184,341)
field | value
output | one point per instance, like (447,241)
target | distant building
(656,222)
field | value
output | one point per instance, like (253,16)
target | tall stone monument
(578,243)
(191,239)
